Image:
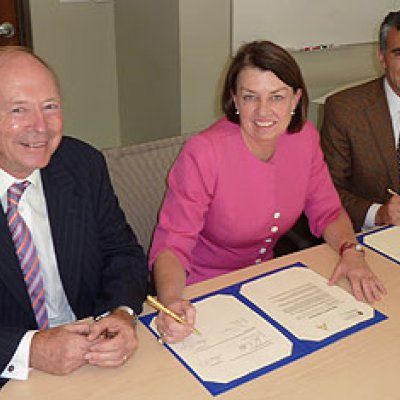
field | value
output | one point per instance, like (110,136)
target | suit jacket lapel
(66,216)
(10,270)
(381,128)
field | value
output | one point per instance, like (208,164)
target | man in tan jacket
(360,135)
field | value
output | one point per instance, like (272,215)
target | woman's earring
(293,112)
(237,112)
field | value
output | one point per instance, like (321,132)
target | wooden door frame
(24,22)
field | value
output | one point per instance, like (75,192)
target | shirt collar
(6,180)
(393,100)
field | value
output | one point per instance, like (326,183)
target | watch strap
(351,245)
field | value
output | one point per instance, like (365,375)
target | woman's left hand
(365,284)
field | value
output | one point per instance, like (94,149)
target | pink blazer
(225,209)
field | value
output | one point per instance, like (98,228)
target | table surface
(364,365)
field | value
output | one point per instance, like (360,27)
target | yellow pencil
(159,307)
(392,192)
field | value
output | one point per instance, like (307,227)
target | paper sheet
(386,241)
(301,301)
(234,341)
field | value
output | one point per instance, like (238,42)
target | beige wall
(133,71)
(147,48)
(205,51)
(77,39)
(327,70)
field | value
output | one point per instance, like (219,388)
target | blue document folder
(363,238)
(300,347)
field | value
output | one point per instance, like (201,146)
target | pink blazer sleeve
(322,201)
(190,190)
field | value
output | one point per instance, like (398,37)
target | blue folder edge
(361,239)
(301,348)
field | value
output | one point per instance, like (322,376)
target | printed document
(301,301)
(234,341)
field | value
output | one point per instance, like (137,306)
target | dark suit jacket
(358,143)
(100,262)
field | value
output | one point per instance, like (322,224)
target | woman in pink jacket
(241,184)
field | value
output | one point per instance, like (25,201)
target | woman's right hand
(172,331)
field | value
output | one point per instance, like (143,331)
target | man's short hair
(392,20)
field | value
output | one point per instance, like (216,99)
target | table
(363,366)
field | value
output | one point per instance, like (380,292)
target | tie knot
(15,192)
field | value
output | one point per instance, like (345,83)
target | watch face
(358,247)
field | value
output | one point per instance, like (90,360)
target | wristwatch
(123,308)
(351,245)
(130,312)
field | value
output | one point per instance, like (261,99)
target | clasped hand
(108,342)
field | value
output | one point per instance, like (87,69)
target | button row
(274,229)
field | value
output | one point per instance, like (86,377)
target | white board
(300,24)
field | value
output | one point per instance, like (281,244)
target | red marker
(317,47)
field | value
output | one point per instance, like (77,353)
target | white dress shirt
(394,108)
(33,209)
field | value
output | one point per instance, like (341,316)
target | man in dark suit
(83,259)
(360,135)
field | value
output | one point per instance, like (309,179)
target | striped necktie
(27,254)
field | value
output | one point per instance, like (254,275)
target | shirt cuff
(18,367)
(369,221)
